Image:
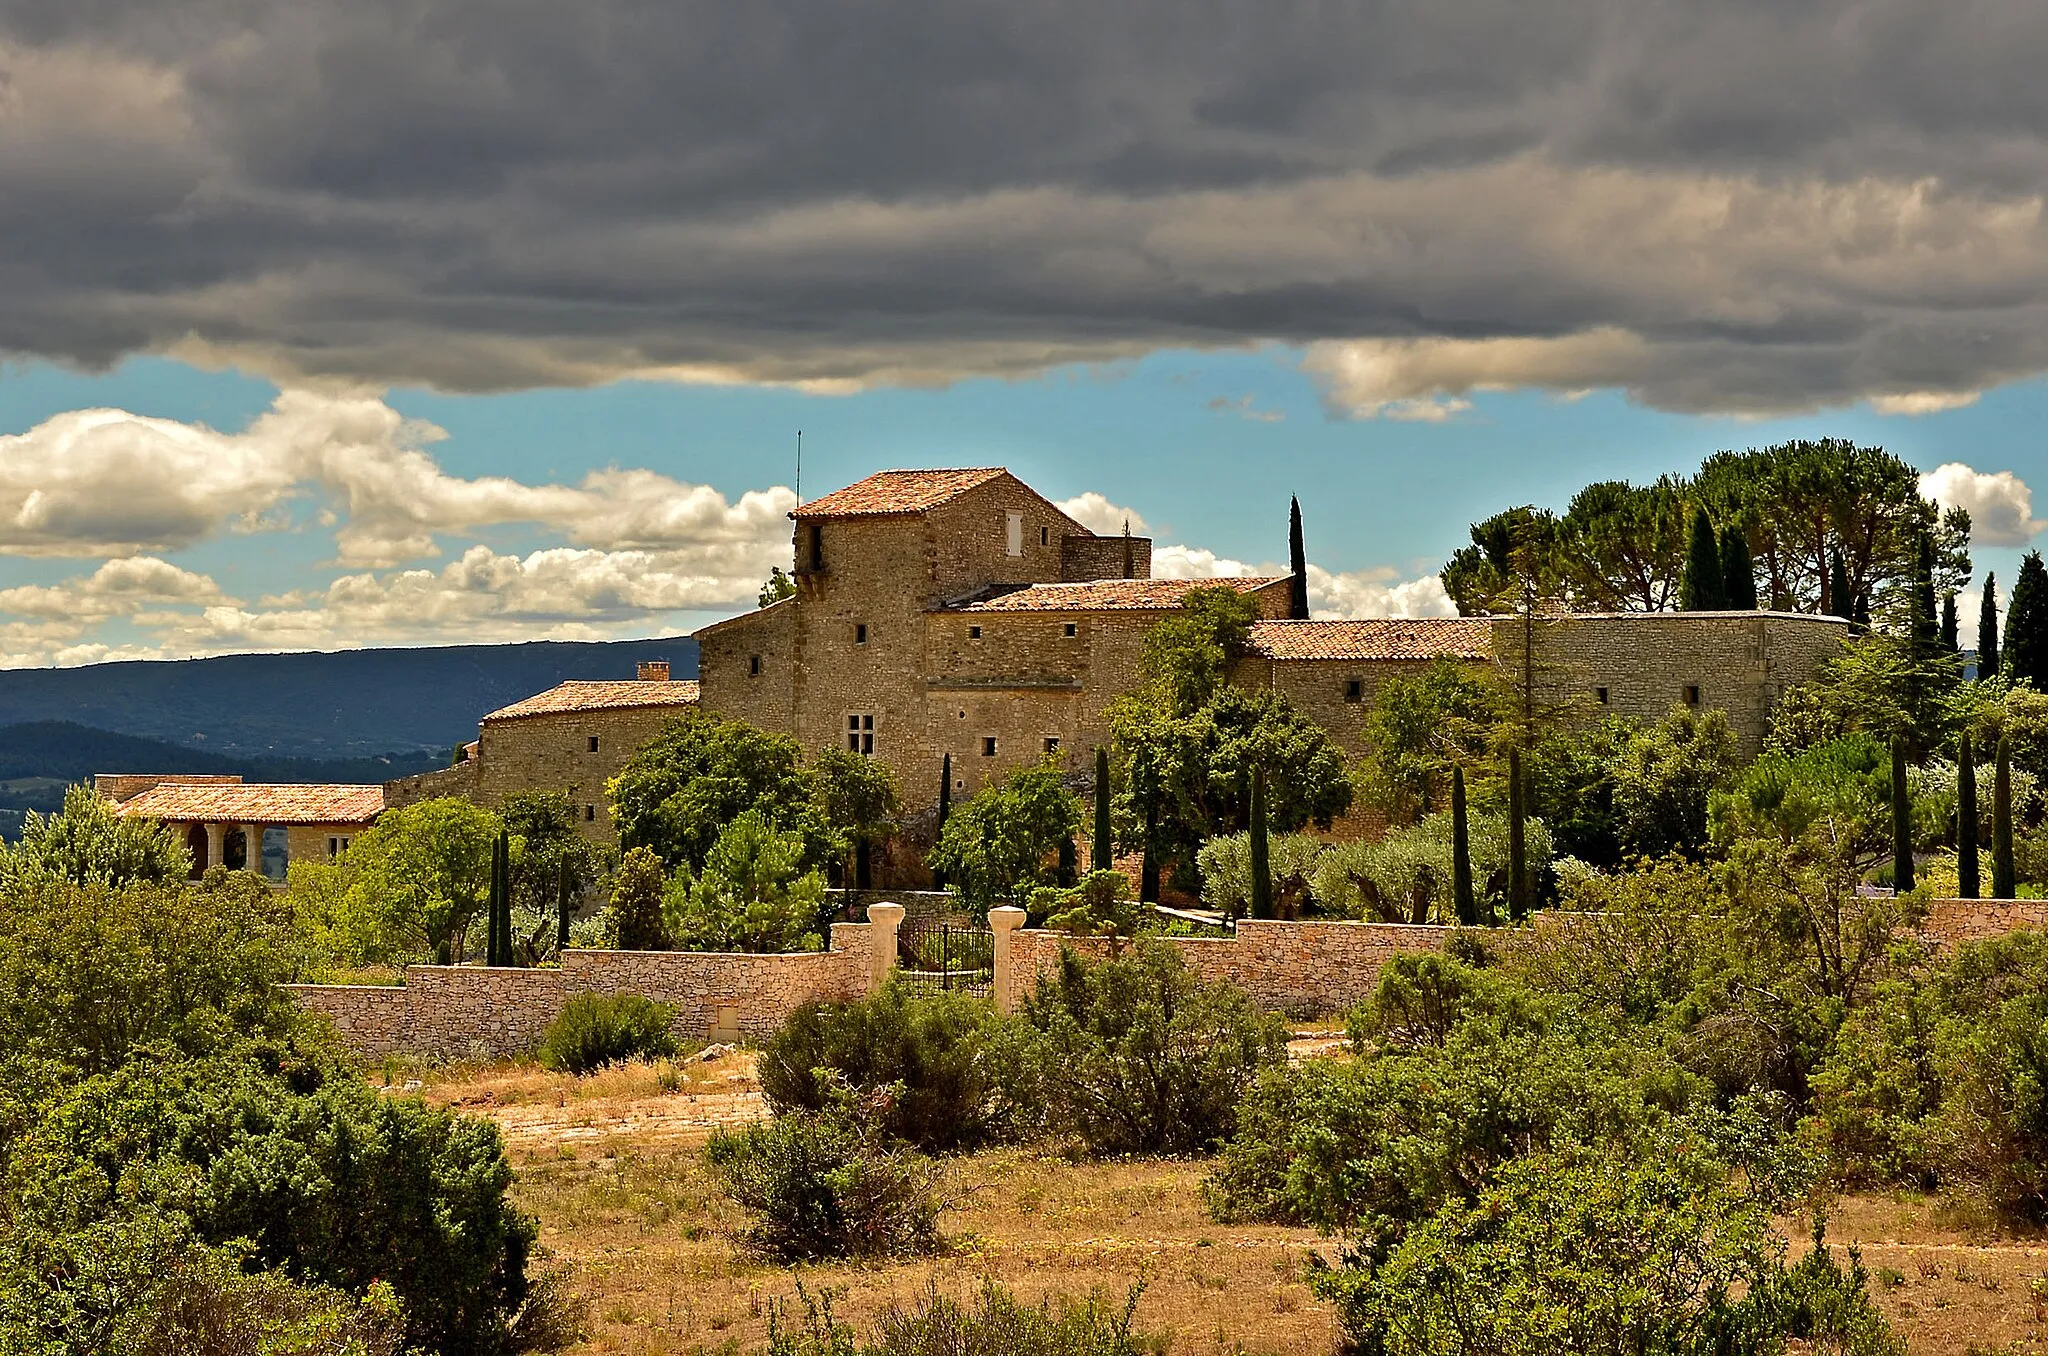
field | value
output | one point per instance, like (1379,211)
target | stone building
(959,612)
(572,738)
(222,817)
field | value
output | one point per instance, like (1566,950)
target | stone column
(216,845)
(252,848)
(883,920)
(1002,922)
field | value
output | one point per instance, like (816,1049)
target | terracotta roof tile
(888,492)
(1392,638)
(257,803)
(1104,595)
(600,696)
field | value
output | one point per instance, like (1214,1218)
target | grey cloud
(1781,205)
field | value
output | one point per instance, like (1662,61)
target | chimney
(654,670)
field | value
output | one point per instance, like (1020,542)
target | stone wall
(1084,558)
(456,780)
(1952,922)
(552,752)
(467,1011)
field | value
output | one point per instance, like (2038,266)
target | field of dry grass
(611,1165)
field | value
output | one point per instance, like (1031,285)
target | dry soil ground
(611,1165)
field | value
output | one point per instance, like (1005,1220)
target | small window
(1069,630)
(988,746)
(1600,695)
(590,814)
(860,734)
(754,666)
(1045,536)
(1354,690)
(1052,743)
(860,633)
(593,743)
(1013,534)
(333,847)
(1692,694)
(817,546)
(974,633)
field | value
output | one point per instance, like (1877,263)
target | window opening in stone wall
(817,546)
(1600,695)
(860,633)
(1045,536)
(974,633)
(1692,694)
(1013,534)
(1354,690)
(593,743)
(860,734)
(1052,743)
(754,666)
(988,746)
(590,814)
(1069,630)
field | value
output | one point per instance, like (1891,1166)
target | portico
(260,827)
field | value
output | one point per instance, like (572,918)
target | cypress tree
(2001,824)
(1951,637)
(1966,819)
(1297,561)
(1518,845)
(1699,588)
(1902,822)
(562,898)
(1102,854)
(1859,621)
(945,808)
(499,947)
(1130,555)
(1070,862)
(1738,571)
(1148,870)
(1461,853)
(1987,629)
(2026,623)
(1839,602)
(1262,861)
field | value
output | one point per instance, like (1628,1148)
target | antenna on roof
(799,466)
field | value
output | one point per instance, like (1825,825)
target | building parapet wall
(456,780)
(1086,558)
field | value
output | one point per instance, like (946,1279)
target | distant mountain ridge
(347,704)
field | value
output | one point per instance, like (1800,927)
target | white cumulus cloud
(2000,504)
(1096,513)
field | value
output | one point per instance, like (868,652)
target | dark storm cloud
(1739,205)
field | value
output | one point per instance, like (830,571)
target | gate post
(1001,923)
(883,920)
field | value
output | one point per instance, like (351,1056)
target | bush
(1099,906)
(633,920)
(995,1324)
(596,1029)
(205,1304)
(994,848)
(943,1066)
(820,1185)
(1140,1057)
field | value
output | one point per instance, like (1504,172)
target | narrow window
(753,666)
(817,546)
(1600,695)
(1052,743)
(593,743)
(1068,630)
(860,733)
(974,633)
(1045,536)
(333,847)
(860,633)
(1013,534)
(590,814)
(1692,694)
(1354,690)
(988,746)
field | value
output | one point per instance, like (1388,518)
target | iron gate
(939,954)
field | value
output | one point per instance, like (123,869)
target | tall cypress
(1102,856)
(1699,588)
(945,808)
(1148,869)
(1262,860)
(1297,561)
(1130,553)
(1951,636)
(1462,899)
(498,948)
(1738,571)
(1518,841)
(2001,824)
(1902,821)
(1966,819)
(1859,620)
(1987,629)
(1839,602)
(2026,623)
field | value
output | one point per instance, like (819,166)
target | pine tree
(1297,561)
(945,808)
(1987,629)
(1926,612)
(1951,637)
(1518,844)
(1839,602)
(1902,822)
(1699,588)
(1102,856)
(1466,905)
(1738,571)
(1966,819)
(2026,623)
(2001,824)
(1262,862)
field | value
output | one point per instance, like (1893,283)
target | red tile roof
(1102,595)
(1392,638)
(600,696)
(256,803)
(888,492)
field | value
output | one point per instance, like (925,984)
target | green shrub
(204,1303)
(596,1029)
(1099,906)
(994,1324)
(820,1184)
(943,1066)
(754,894)
(1140,1057)
(1424,996)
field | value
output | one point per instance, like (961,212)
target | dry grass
(611,1165)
